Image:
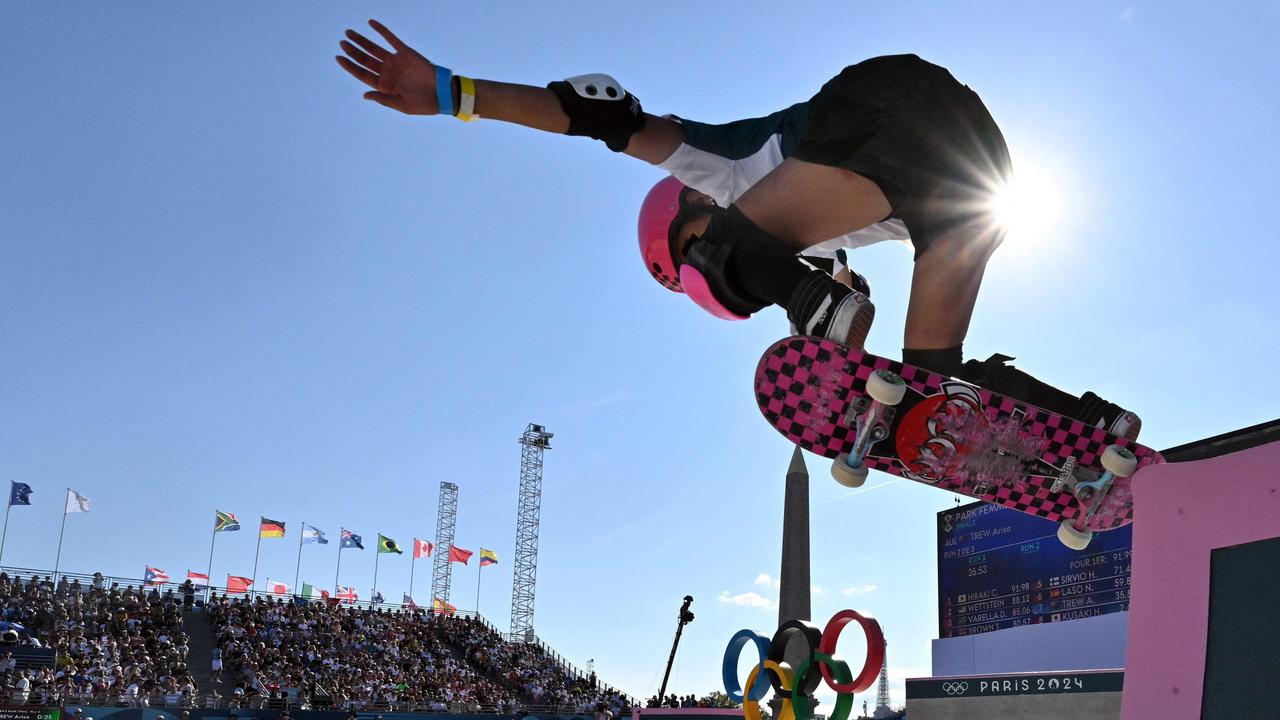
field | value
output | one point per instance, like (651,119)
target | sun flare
(1030,206)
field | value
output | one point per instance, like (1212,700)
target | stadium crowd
(321,656)
(111,644)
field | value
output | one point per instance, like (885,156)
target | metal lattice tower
(535,440)
(446,519)
(882,692)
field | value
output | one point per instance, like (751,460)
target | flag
(277,588)
(237,584)
(457,554)
(313,534)
(19,493)
(347,594)
(309,592)
(488,557)
(224,522)
(270,528)
(324,595)
(422,548)
(76,502)
(198,578)
(351,540)
(377,598)
(387,545)
(441,607)
(154,576)
(408,602)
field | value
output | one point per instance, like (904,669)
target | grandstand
(108,641)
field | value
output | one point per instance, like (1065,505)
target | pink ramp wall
(1182,511)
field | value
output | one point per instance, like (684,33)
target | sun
(1030,206)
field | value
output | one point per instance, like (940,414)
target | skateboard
(870,413)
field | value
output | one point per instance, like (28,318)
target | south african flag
(225,522)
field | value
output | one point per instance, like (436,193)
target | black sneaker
(827,309)
(1095,411)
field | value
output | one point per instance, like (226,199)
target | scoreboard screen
(1000,568)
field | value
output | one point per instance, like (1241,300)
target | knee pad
(705,274)
(599,108)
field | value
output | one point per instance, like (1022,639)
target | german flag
(270,528)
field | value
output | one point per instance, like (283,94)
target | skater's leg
(803,204)
(944,288)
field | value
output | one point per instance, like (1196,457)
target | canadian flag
(277,588)
(237,584)
(347,594)
(422,548)
(197,578)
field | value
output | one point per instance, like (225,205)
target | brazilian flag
(387,545)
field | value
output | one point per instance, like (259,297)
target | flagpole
(253,589)
(339,570)
(208,574)
(7,508)
(412,561)
(479,570)
(58,561)
(376,556)
(297,572)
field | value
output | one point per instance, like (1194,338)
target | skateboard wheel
(848,476)
(1119,461)
(1073,538)
(886,388)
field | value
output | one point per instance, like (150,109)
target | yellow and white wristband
(466,99)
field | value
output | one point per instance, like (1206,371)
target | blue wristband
(444,89)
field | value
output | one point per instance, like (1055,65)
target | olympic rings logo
(955,688)
(797,685)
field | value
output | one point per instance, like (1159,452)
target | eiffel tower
(882,692)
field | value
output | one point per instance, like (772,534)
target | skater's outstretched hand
(404,80)
(401,78)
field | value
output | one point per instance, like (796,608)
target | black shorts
(914,130)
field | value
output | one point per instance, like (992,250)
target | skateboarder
(890,148)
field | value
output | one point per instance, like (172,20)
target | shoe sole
(864,313)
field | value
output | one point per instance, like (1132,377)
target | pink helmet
(660,215)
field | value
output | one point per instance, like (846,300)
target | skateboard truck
(870,420)
(1117,462)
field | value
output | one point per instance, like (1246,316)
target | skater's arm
(540,109)
(404,80)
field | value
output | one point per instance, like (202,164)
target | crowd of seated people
(111,645)
(326,656)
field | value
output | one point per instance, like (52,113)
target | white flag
(76,502)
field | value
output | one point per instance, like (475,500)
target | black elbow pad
(599,108)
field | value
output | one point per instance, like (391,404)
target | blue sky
(228,282)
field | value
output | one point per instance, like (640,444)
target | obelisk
(793,577)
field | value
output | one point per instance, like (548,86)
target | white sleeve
(705,172)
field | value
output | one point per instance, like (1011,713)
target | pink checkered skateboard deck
(944,432)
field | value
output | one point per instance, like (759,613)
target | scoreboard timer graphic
(999,568)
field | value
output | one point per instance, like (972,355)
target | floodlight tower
(534,442)
(446,519)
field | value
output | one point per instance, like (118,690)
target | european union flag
(19,493)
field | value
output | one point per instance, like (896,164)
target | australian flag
(19,493)
(351,540)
